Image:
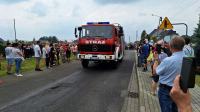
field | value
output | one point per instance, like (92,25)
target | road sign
(166,24)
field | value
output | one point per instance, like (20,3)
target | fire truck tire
(85,63)
(121,60)
(114,64)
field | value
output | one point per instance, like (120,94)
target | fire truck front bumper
(93,57)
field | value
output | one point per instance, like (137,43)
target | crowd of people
(48,53)
(165,61)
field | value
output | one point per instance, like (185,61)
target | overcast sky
(36,18)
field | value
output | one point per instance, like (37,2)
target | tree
(52,39)
(153,38)
(148,37)
(143,35)
(44,38)
(196,34)
(2,47)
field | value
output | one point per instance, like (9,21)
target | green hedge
(2,47)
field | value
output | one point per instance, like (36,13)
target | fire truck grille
(96,48)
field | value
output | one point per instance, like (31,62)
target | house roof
(155,32)
(162,33)
(1,40)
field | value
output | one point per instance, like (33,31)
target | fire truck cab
(100,42)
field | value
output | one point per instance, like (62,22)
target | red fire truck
(100,42)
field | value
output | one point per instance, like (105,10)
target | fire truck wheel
(85,63)
(114,64)
(121,60)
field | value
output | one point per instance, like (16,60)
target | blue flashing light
(90,23)
(104,22)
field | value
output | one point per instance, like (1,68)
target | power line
(177,4)
(184,8)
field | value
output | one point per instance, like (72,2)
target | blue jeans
(139,61)
(142,58)
(18,62)
(166,103)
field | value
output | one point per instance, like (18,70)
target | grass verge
(27,65)
(197,80)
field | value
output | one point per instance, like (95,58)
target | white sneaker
(19,75)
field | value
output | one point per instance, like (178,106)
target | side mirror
(75,32)
(115,31)
(121,32)
(79,28)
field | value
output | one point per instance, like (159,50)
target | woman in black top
(68,53)
(57,54)
(52,54)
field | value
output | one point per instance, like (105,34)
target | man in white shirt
(37,54)
(188,50)
(9,57)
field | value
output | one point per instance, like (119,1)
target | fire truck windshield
(96,31)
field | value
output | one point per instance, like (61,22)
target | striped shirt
(188,51)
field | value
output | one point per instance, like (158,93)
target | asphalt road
(69,88)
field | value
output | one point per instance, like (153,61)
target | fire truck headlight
(107,57)
(82,56)
(110,57)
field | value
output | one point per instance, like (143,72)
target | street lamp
(160,18)
(160,21)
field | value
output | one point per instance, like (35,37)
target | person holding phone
(182,100)
(160,56)
(167,71)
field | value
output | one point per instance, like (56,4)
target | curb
(131,102)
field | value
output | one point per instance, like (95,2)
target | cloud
(36,18)
(11,1)
(39,9)
(76,11)
(103,2)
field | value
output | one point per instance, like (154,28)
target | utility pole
(15,31)
(160,19)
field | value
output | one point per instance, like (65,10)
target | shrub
(2,51)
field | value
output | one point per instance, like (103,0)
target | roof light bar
(90,23)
